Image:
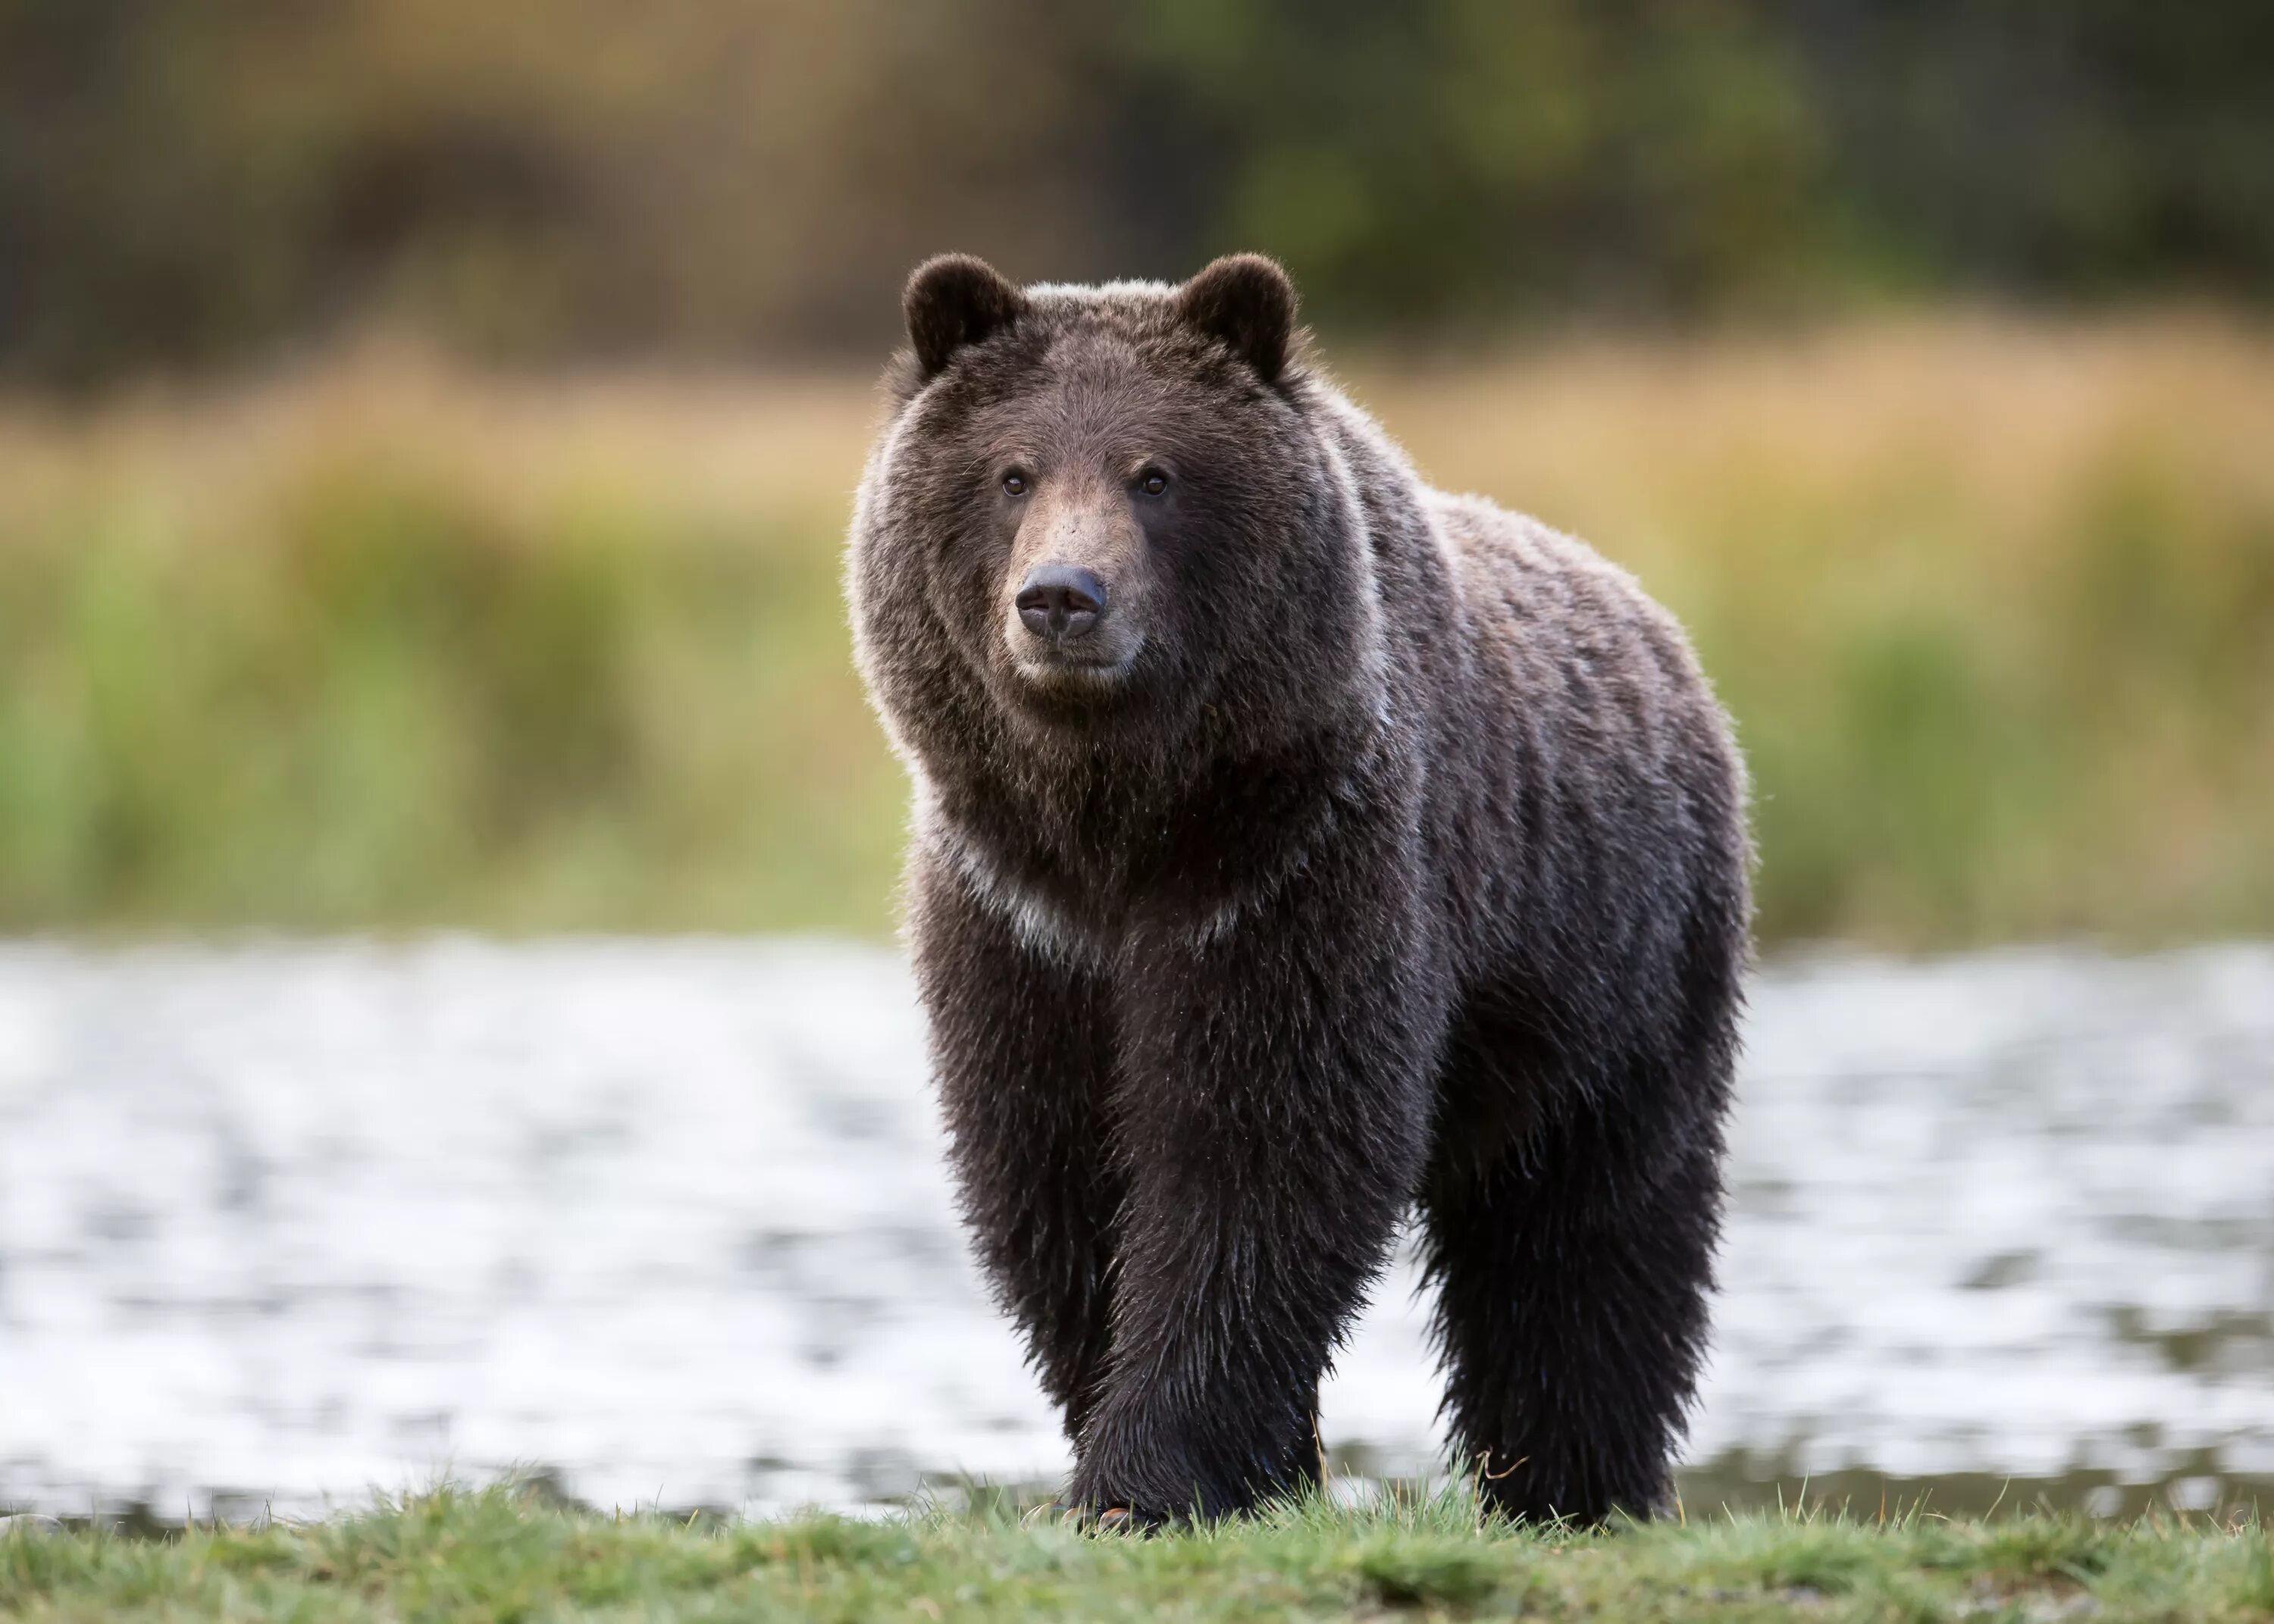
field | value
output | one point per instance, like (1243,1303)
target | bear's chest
(1076,874)
(1072,874)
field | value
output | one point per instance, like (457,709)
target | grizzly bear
(1295,848)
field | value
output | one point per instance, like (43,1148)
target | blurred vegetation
(200,181)
(384,648)
(391,642)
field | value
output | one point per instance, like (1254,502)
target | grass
(385,645)
(500,1555)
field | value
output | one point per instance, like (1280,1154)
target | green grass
(498,1555)
(389,647)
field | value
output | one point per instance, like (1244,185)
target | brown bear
(1295,848)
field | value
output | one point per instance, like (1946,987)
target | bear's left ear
(1246,301)
(953,300)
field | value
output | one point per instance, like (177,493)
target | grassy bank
(383,645)
(494,1557)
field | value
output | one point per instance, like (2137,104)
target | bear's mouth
(1066,669)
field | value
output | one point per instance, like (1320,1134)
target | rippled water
(283,1224)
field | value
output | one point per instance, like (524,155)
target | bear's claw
(1108,1519)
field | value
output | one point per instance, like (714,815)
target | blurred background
(448,1018)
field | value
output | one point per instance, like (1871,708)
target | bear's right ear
(954,300)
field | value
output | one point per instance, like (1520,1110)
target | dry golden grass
(379,640)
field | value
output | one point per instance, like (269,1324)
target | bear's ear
(1246,301)
(954,300)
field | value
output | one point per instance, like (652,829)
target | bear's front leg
(1271,1107)
(1022,1048)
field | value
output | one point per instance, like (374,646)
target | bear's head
(1111,513)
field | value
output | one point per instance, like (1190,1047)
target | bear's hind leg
(1573,1321)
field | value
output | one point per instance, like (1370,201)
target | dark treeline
(187,182)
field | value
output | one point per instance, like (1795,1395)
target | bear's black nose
(1060,600)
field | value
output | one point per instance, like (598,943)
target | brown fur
(1378,851)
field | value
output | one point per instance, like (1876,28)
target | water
(281,1225)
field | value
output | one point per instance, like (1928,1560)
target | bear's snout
(1060,601)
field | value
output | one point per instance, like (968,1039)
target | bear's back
(1556,628)
(1580,758)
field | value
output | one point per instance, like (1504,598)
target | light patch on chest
(1042,927)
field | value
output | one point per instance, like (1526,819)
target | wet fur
(1404,871)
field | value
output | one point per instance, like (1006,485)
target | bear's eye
(1014,484)
(1153,482)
